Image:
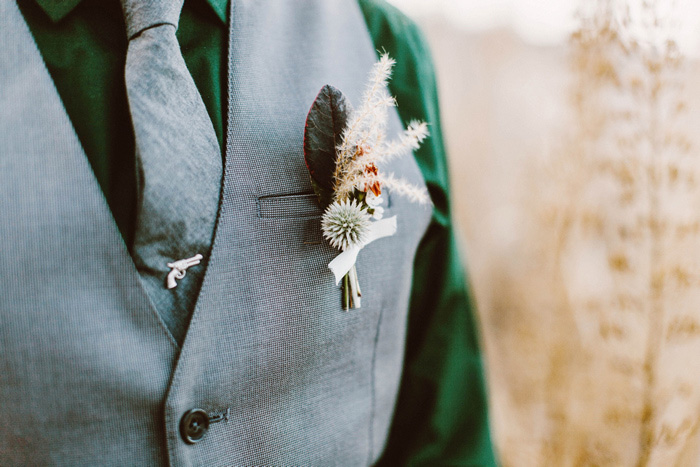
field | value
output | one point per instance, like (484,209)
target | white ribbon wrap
(343,262)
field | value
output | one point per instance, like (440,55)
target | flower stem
(351,290)
(346,292)
(355,288)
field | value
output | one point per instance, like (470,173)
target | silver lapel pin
(179,269)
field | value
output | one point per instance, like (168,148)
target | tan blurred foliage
(575,182)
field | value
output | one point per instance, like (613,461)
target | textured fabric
(85,361)
(441,416)
(178,161)
(143,14)
(303,382)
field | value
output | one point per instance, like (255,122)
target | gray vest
(88,372)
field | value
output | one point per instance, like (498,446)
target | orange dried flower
(375,186)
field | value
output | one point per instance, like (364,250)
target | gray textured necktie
(178,158)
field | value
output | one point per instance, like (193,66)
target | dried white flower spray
(364,143)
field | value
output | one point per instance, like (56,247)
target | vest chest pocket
(302,205)
(288,206)
(303,208)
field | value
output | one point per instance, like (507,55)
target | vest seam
(373,378)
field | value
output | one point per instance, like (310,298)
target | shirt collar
(59,9)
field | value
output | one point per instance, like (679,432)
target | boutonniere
(344,151)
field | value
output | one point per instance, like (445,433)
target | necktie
(178,161)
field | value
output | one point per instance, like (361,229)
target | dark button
(194,425)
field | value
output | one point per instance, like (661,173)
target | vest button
(194,425)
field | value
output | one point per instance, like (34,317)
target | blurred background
(571,135)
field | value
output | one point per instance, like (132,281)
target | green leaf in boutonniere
(325,123)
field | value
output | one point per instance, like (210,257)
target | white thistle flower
(345,223)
